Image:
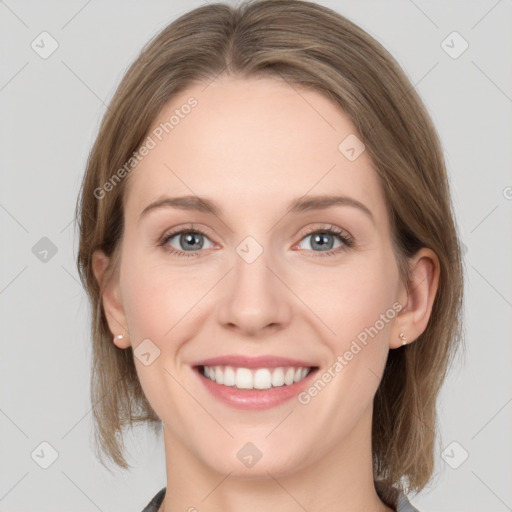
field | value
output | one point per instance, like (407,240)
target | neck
(339,481)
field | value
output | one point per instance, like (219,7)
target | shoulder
(394,498)
(403,504)
(155,503)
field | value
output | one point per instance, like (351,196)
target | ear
(417,298)
(111,299)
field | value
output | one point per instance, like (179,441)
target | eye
(324,239)
(189,241)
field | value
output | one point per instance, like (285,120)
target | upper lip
(240,361)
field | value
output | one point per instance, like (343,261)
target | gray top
(402,503)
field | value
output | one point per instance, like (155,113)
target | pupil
(320,240)
(190,239)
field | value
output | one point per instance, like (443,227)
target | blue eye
(191,241)
(321,239)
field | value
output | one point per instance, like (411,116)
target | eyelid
(345,237)
(327,227)
(205,231)
(185,228)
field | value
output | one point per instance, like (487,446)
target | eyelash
(332,230)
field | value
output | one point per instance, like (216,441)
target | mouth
(259,378)
(254,383)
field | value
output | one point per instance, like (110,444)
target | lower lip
(255,399)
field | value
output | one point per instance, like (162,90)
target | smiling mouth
(255,378)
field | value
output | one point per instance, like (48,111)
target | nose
(255,299)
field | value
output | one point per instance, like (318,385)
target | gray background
(50,111)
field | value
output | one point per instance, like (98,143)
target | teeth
(278,378)
(229,376)
(261,378)
(243,378)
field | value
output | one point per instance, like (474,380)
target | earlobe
(111,300)
(413,318)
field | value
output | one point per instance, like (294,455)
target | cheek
(356,306)
(158,304)
(345,299)
(355,303)
(352,297)
(157,297)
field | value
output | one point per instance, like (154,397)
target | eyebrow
(205,205)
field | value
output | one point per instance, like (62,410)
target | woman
(269,247)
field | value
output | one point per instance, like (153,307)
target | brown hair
(310,46)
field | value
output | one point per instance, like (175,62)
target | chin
(250,463)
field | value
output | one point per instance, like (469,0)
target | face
(257,291)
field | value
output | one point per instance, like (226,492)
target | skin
(253,145)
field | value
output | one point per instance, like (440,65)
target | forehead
(258,141)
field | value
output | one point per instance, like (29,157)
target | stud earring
(119,337)
(403,338)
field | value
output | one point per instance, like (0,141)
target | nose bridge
(255,297)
